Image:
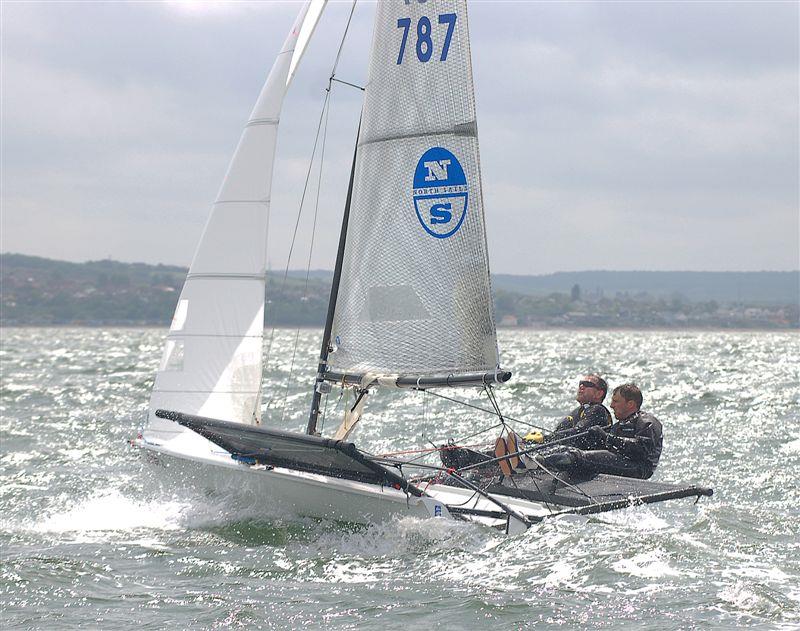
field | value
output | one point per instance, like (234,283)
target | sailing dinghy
(410,305)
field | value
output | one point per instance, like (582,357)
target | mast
(337,275)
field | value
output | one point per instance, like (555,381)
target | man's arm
(641,447)
(596,414)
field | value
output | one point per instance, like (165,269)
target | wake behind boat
(410,304)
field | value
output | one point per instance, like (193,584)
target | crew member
(631,447)
(590,412)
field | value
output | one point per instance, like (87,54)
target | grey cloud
(678,121)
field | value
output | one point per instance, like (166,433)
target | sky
(619,136)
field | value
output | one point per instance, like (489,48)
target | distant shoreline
(45,292)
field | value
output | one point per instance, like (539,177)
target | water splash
(112,511)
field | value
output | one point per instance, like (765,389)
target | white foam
(763,574)
(745,598)
(561,573)
(792,447)
(641,518)
(113,511)
(404,535)
(645,565)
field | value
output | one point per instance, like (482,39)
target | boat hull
(280,492)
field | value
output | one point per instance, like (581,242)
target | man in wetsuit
(631,447)
(590,412)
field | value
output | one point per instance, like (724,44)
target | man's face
(588,393)
(622,408)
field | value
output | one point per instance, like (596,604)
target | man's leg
(604,461)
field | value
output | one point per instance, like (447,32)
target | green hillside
(39,291)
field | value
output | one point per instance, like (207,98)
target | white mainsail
(415,297)
(212,362)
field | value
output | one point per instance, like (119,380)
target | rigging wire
(493,400)
(482,409)
(297,223)
(352,85)
(327,111)
(344,36)
(323,114)
(565,483)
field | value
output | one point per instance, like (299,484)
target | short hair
(600,382)
(630,392)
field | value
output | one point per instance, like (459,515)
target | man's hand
(598,433)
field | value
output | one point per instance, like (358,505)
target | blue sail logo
(440,193)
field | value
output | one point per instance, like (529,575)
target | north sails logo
(440,192)
(437,170)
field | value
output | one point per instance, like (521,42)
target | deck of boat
(573,489)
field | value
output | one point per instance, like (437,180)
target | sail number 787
(424,28)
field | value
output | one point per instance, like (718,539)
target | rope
(426,450)
(493,400)
(482,409)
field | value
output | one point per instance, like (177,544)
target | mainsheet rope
(482,409)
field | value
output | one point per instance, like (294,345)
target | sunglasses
(588,384)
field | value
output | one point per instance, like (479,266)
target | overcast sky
(625,136)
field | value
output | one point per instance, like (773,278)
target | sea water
(91,540)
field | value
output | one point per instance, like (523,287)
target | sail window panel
(447,323)
(234,241)
(172,359)
(249,176)
(392,304)
(234,407)
(224,306)
(179,318)
(215,364)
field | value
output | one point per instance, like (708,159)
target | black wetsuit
(579,420)
(631,448)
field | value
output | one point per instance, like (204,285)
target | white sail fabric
(415,297)
(212,362)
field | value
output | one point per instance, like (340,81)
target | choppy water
(89,541)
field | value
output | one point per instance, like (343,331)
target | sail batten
(254,122)
(467,129)
(226,276)
(264,202)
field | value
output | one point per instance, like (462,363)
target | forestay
(212,362)
(414,297)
